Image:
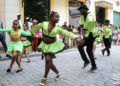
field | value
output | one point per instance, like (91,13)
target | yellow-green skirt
(54,47)
(26,43)
(15,46)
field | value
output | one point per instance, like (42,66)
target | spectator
(19,20)
(2,39)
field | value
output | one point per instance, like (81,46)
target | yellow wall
(2,10)
(21,9)
(61,6)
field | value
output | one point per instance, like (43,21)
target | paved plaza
(70,65)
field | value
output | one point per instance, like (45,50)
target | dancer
(87,23)
(35,39)
(25,43)
(98,37)
(107,31)
(49,44)
(15,47)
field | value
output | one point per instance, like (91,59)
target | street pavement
(70,65)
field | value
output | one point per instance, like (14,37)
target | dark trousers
(2,40)
(88,42)
(107,43)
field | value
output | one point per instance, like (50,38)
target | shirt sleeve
(25,33)
(67,33)
(81,20)
(5,29)
(36,28)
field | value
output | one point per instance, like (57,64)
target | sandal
(57,77)
(19,70)
(43,82)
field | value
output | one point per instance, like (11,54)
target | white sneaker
(43,82)
(57,77)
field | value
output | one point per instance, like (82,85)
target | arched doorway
(100,14)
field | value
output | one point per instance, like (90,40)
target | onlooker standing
(65,40)
(2,39)
(35,39)
(118,38)
(30,23)
(19,20)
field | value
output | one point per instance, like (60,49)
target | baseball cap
(83,7)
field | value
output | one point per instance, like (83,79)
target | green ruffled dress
(56,46)
(15,46)
(26,43)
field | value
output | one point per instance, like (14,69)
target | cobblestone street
(70,65)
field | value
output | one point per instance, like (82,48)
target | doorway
(37,9)
(100,14)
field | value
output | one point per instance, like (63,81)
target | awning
(104,4)
(79,0)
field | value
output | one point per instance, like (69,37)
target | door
(116,19)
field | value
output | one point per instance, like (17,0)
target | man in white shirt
(19,20)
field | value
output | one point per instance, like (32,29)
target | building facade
(101,9)
(116,13)
(8,12)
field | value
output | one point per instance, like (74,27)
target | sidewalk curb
(33,55)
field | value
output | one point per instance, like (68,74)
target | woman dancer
(25,43)
(49,44)
(15,47)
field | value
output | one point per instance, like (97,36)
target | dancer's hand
(79,42)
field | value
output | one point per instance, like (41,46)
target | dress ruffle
(55,47)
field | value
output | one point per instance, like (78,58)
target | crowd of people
(50,38)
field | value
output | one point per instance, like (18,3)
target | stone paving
(70,65)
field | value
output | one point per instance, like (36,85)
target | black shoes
(42,57)
(93,69)
(19,70)
(108,53)
(86,64)
(8,70)
(102,52)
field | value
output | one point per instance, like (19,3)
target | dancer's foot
(28,61)
(43,82)
(19,70)
(86,64)
(42,57)
(57,77)
(102,52)
(8,70)
(108,54)
(93,69)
